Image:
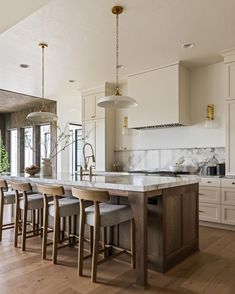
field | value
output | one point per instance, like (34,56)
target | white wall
(206,87)
(69,110)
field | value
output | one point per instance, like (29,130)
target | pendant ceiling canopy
(117,100)
(42,115)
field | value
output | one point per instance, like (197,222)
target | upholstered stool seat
(110,214)
(68,206)
(35,201)
(9,197)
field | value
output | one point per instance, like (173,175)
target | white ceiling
(80,35)
(12,11)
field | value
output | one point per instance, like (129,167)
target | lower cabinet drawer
(228,214)
(228,196)
(209,212)
(209,194)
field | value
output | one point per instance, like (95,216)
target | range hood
(162,95)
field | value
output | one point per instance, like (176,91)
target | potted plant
(4,159)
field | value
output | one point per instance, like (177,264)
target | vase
(46,168)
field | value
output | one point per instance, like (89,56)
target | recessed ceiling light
(23,65)
(188,45)
(72,81)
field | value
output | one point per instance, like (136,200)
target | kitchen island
(165,210)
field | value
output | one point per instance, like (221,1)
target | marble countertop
(110,181)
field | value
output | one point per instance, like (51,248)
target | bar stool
(25,201)
(58,208)
(6,198)
(101,214)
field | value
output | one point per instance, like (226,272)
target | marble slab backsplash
(163,158)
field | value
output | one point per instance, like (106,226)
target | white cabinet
(209,212)
(230,136)
(209,200)
(229,60)
(228,214)
(90,108)
(162,96)
(99,126)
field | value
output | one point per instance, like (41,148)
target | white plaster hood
(162,95)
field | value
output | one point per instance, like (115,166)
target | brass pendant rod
(117,53)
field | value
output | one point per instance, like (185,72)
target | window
(13,151)
(76,144)
(45,141)
(28,147)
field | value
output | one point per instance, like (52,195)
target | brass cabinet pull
(201,194)
(209,182)
(201,211)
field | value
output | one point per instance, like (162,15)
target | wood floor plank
(209,271)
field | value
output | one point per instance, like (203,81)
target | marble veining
(163,158)
(137,183)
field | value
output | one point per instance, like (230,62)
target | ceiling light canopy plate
(117,9)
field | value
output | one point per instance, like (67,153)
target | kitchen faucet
(87,158)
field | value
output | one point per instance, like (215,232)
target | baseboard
(217,226)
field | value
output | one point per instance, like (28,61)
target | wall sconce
(210,117)
(125,130)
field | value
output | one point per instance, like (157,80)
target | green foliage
(4,160)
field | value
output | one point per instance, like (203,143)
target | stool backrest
(91,195)
(3,184)
(23,187)
(50,190)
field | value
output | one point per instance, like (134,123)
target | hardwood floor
(212,270)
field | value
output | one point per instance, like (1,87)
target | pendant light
(117,100)
(42,115)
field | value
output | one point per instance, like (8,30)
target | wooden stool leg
(95,253)
(24,227)
(91,239)
(133,251)
(74,227)
(45,227)
(104,230)
(81,238)
(69,225)
(17,215)
(41,221)
(55,237)
(1,215)
(33,221)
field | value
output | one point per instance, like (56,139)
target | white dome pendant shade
(117,100)
(42,115)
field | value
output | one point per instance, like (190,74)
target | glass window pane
(45,134)
(28,147)
(13,153)
(75,145)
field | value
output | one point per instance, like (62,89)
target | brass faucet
(86,159)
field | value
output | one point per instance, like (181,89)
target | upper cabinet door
(230,80)
(89,105)
(230,138)
(100,111)
(90,108)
